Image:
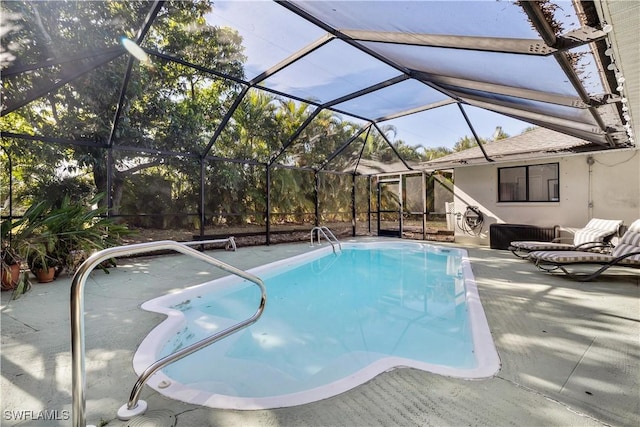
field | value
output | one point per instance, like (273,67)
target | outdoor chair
(596,234)
(625,254)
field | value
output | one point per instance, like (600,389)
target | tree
(167,107)
(465,143)
(434,152)
(499,134)
(148,139)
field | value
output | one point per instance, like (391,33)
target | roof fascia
(520,157)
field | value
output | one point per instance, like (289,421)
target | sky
(271,33)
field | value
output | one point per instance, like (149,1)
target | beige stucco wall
(612,184)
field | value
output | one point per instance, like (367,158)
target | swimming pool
(332,322)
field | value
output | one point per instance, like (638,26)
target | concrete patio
(570,353)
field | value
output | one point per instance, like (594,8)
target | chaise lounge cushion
(591,234)
(596,231)
(630,243)
(542,246)
(574,257)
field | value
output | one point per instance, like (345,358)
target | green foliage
(22,287)
(292,193)
(53,190)
(23,240)
(78,231)
(434,153)
(62,235)
(147,195)
(335,197)
(168,108)
(465,143)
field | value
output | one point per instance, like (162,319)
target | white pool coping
(488,361)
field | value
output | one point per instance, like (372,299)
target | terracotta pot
(10,276)
(45,276)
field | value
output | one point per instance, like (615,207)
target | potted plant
(13,279)
(29,241)
(73,231)
(42,263)
(53,236)
(10,263)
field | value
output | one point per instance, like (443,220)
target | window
(535,183)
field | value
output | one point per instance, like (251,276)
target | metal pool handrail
(322,230)
(77,320)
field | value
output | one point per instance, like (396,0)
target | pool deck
(570,352)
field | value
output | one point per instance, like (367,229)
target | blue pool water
(331,322)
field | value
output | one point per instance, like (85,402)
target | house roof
(535,143)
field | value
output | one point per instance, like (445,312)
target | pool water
(332,321)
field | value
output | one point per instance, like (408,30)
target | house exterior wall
(608,188)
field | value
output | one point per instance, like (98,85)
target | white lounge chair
(596,234)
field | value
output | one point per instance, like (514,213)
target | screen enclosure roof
(429,71)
